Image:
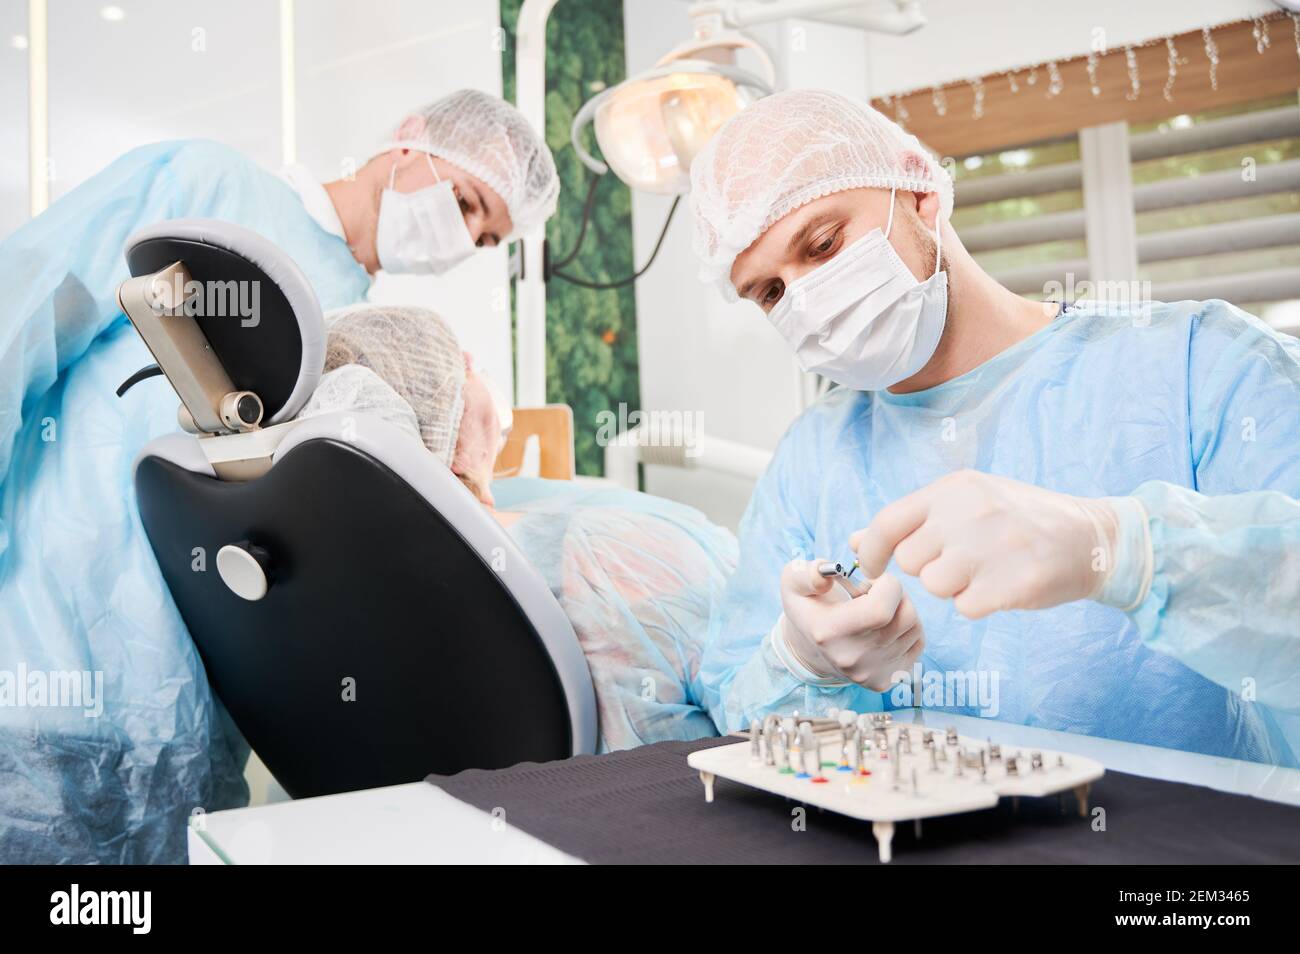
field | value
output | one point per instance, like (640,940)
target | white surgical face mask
(862,319)
(421,232)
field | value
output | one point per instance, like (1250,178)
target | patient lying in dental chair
(636,574)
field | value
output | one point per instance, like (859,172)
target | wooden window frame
(1030,115)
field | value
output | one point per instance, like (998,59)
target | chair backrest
(278,349)
(401,633)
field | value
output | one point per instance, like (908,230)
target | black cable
(148,371)
(601,286)
(586,217)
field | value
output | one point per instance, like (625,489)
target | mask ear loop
(938,243)
(392,173)
(938,232)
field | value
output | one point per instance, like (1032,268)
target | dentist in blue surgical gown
(1084,510)
(111,772)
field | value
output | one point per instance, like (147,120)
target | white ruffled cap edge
(718,272)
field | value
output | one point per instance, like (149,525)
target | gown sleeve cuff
(792,663)
(1130,580)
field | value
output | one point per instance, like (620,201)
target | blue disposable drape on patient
(1101,402)
(80,591)
(637,576)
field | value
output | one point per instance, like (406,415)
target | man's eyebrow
(487,212)
(748,287)
(801,236)
(796,240)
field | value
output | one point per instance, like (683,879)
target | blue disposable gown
(637,576)
(1153,399)
(80,591)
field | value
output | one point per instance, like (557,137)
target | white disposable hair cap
(783,152)
(414,351)
(490,139)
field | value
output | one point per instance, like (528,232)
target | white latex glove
(833,636)
(992,543)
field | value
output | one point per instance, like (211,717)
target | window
(1216,210)
(1019,212)
(1217,199)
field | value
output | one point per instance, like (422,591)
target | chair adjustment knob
(245,569)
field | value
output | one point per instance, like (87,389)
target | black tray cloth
(646,806)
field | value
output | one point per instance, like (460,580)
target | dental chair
(362,618)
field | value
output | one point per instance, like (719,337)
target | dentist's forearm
(1214,581)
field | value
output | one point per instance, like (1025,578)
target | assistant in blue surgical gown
(80,591)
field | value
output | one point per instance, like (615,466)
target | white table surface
(420,824)
(415,823)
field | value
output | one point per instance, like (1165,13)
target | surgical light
(651,126)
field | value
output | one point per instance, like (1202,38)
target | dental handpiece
(841,576)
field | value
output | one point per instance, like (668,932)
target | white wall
(962,40)
(170,69)
(166,70)
(13,117)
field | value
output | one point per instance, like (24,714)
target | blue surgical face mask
(862,319)
(421,232)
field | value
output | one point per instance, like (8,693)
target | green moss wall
(591,359)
